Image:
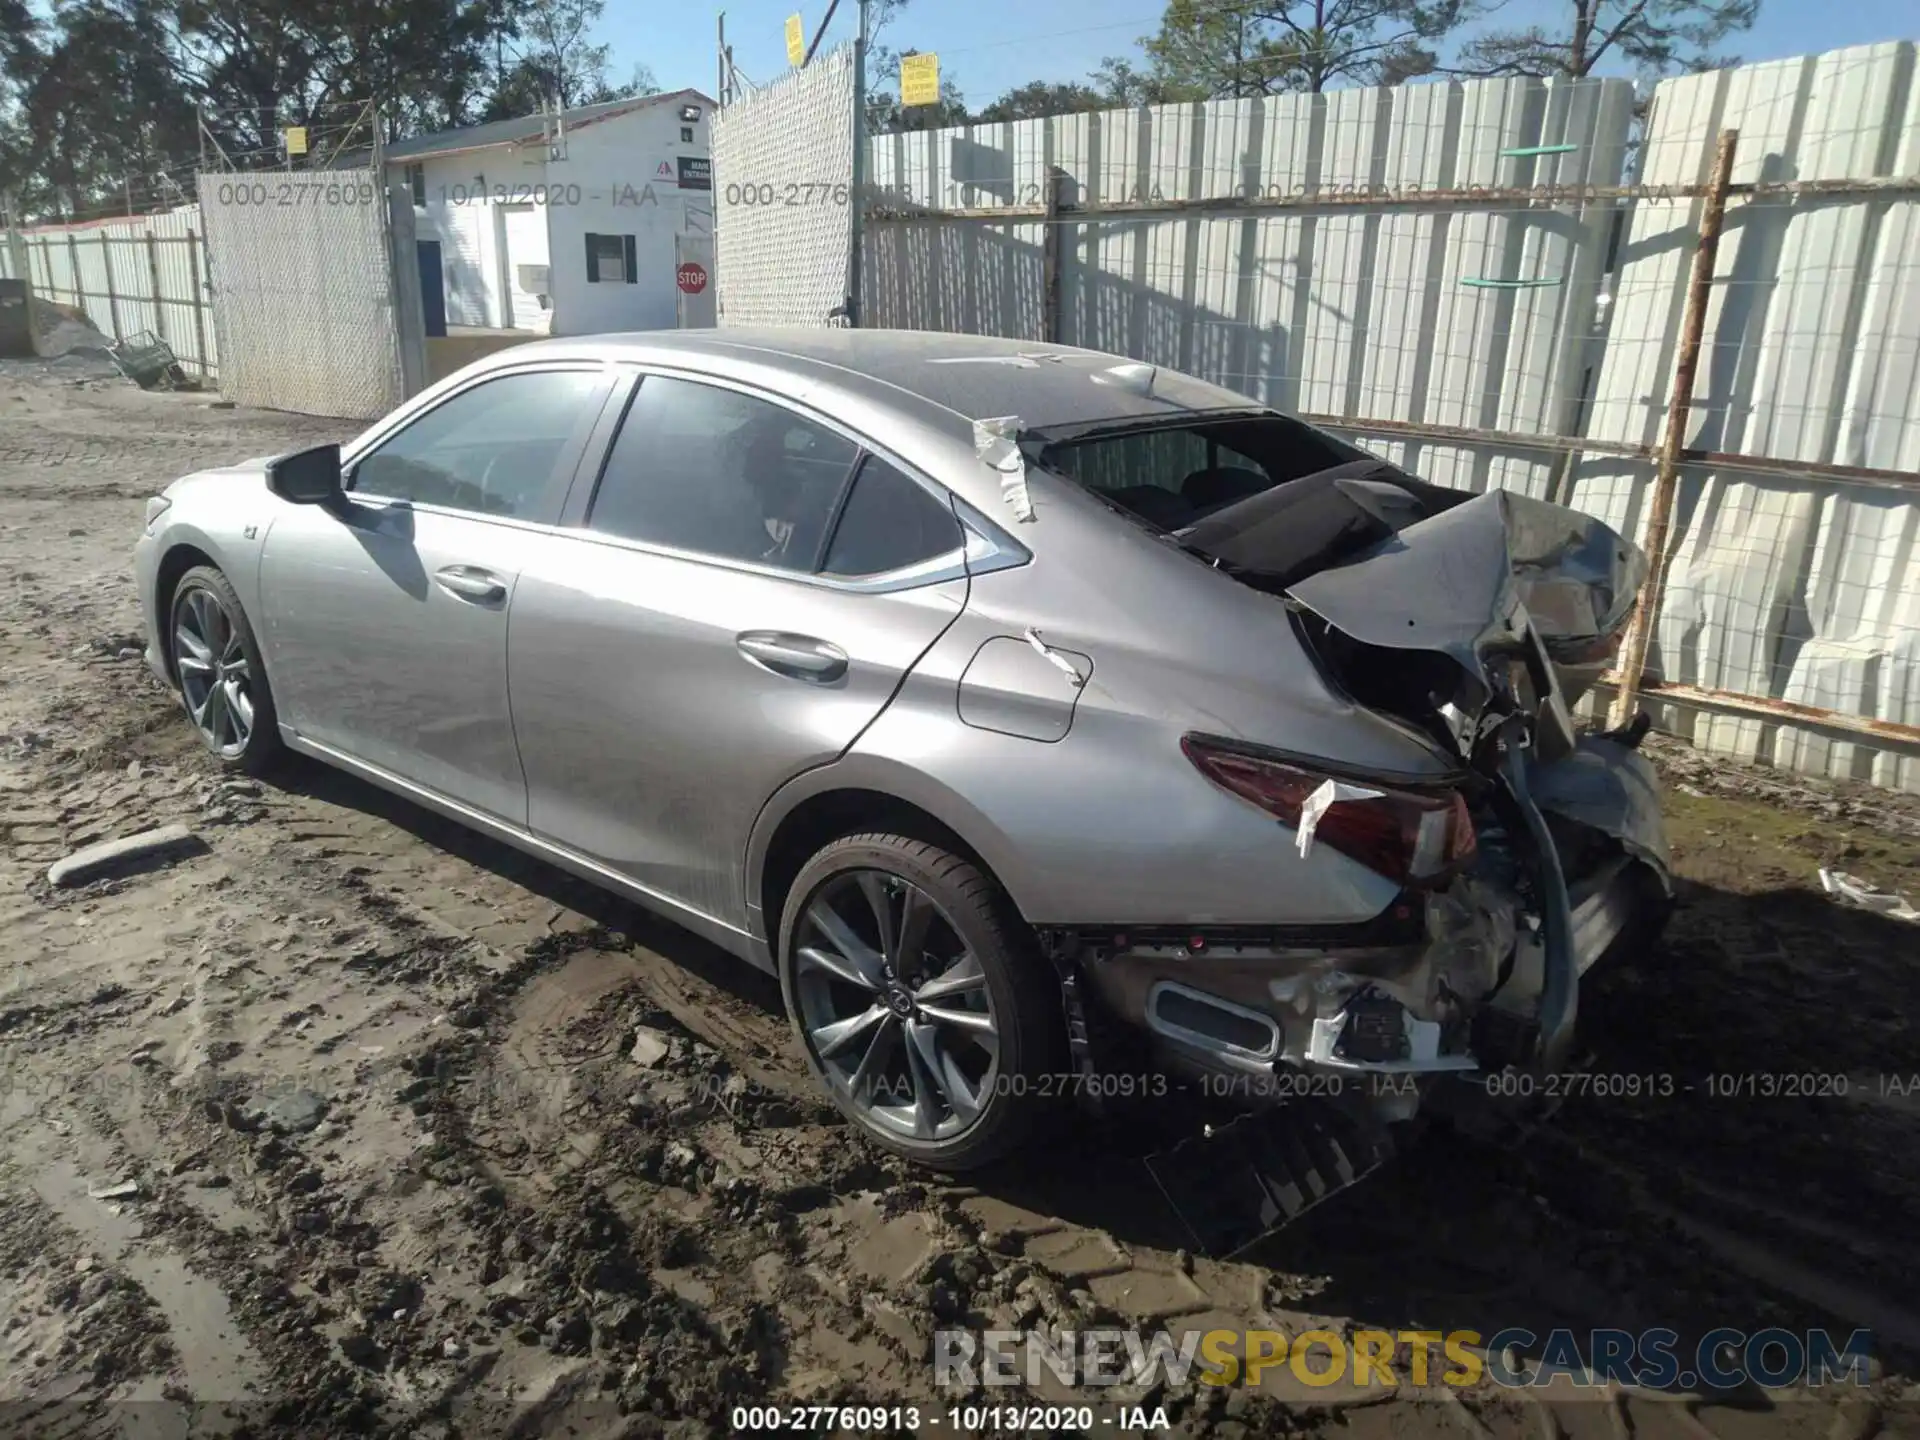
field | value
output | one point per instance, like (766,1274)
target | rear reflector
(1403,835)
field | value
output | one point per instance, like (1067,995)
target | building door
(525,298)
(433,287)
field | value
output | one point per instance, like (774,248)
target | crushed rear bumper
(1449,982)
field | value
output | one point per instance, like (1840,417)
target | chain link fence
(782,186)
(305,297)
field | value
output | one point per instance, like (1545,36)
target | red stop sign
(692,277)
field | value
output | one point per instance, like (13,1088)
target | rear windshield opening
(1266,498)
(1171,476)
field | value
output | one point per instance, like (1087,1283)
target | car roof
(968,377)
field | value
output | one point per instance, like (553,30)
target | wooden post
(153,281)
(1679,404)
(1053,257)
(113,300)
(73,262)
(199,305)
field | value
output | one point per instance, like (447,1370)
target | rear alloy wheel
(222,683)
(917,1005)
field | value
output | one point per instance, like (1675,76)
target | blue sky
(989,46)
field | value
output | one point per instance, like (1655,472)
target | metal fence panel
(1282,247)
(303,293)
(1401,310)
(144,272)
(782,184)
(1784,588)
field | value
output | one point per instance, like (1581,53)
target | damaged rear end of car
(1526,855)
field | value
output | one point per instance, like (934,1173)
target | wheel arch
(846,799)
(179,557)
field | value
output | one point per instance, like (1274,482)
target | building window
(686,134)
(417,179)
(610,260)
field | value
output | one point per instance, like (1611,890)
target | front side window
(699,468)
(491,449)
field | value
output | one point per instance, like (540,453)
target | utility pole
(858,199)
(720,59)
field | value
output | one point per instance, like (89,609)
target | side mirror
(307,477)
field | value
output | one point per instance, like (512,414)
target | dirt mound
(64,329)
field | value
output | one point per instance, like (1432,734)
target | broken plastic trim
(996,441)
(1233,1185)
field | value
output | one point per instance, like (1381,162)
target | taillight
(1404,835)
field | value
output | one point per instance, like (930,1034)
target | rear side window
(889,523)
(701,468)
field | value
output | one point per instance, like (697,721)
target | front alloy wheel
(218,665)
(215,678)
(919,999)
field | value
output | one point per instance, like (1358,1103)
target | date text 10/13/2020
(762,194)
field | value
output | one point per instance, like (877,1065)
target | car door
(746,590)
(386,620)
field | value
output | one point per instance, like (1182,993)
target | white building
(597,219)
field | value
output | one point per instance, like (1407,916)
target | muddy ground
(336,1127)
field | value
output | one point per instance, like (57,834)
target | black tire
(200,587)
(1023,1090)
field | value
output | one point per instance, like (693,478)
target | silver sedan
(1045,722)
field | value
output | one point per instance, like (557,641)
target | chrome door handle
(799,657)
(470,582)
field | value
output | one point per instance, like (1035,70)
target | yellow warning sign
(296,140)
(796,40)
(919,79)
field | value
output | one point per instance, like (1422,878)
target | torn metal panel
(1450,581)
(1610,788)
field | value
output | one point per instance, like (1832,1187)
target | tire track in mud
(75,1318)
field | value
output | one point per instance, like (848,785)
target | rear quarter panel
(1111,823)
